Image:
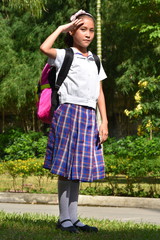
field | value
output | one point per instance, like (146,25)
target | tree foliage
(35,7)
(132,33)
(130,55)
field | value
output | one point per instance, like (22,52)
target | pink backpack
(44,103)
(48,87)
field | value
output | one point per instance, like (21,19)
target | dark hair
(68,38)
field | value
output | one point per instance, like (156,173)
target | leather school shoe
(71,229)
(85,228)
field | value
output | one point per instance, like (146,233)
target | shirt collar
(90,55)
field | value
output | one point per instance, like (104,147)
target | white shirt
(82,83)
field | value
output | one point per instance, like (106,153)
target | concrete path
(146,210)
(84,200)
(124,214)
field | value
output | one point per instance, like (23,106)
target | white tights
(68,192)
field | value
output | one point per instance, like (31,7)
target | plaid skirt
(74,150)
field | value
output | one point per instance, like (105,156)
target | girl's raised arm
(47,45)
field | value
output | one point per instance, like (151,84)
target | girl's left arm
(103,129)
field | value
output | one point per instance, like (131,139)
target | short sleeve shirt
(82,84)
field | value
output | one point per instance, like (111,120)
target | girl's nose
(87,33)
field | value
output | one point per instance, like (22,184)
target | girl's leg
(64,187)
(73,203)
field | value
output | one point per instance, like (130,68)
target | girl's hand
(103,132)
(72,26)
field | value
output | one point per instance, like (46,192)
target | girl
(74,145)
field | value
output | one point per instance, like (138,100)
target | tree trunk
(99,34)
(99,44)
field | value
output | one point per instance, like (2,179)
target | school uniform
(74,150)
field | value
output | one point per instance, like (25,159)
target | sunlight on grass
(43,227)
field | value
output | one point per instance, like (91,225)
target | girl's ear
(71,33)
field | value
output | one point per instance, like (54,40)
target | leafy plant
(26,145)
(24,169)
(133,147)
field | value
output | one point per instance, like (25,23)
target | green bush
(18,145)
(133,157)
(24,169)
(133,147)
(23,145)
(133,168)
(7,139)
(131,183)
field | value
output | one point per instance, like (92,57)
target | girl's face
(84,35)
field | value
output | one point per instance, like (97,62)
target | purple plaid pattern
(73,148)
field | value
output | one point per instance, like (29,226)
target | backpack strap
(61,76)
(97,61)
(65,67)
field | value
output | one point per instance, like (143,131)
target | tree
(131,55)
(143,72)
(22,61)
(20,68)
(35,7)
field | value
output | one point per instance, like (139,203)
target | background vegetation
(132,166)
(130,47)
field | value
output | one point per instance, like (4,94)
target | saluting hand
(72,25)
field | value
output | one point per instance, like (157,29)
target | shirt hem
(81,102)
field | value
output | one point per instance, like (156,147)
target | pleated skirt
(74,150)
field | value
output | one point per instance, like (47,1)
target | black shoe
(85,228)
(71,229)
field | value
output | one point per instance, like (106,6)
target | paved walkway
(138,215)
(146,210)
(84,200)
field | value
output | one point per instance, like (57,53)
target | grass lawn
(42,227)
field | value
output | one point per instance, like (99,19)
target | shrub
(133,147)
(24,169)
(133,168)
(25,146)
(7,139)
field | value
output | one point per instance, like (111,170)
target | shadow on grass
(43,227)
